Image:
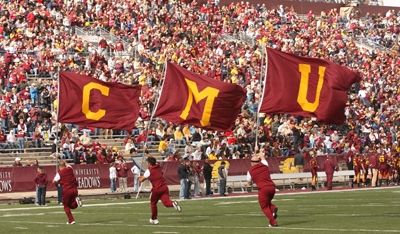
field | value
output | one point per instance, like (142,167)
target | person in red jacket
(41,185)
(70,199)
(260,175)
(122,173)
(330,167)
(160,189)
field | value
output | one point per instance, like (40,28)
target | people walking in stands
(259,174)
(159,189)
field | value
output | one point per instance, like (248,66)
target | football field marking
(219,227)
(199,199)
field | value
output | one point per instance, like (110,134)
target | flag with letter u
(189,98)
(306,86)
(90,102)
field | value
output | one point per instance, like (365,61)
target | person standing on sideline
(260,175)
(70,199)
(159,189)
(299,161)
(183,174)
(113,177)
(136,173)
(207,173)
(122,173)
(314,172)
(41,185)
(222,176)
(373,160)
(330,168)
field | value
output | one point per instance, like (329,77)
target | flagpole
(57,123)
(149,124)
(263,84)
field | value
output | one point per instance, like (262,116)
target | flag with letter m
(189,98)
(306,87)
(90,102)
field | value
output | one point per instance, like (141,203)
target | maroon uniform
(159,191)
(329,167)
(383,167)
(260,175)
(69,190)
(313,166)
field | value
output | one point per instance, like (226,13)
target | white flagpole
(263,83)
(57,123)
(151,119)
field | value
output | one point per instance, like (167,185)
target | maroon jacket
(122,169)
(41,180)
(67,178)
(373,161)
(156,177)
(261,176)
(329,166)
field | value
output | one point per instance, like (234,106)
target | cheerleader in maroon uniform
(314,172)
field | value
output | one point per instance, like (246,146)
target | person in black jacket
(183,174)
(207,172)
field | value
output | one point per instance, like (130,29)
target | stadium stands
(129,42)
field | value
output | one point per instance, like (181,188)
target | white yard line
(219,227)
(200,199)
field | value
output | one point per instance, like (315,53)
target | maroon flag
(90,102)
(189,98)
(306,86)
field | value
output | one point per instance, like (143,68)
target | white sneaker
(73,222)
(78,201)
(177,206)
(154,221)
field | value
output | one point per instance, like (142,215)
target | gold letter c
(104,90)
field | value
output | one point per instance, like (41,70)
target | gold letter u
(305,70)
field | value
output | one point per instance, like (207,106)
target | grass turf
(365,211)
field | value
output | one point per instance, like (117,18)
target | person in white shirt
(113,178)
(136,174)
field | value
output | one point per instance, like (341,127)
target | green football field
(365,211)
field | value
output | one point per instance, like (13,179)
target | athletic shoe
(154,221)
(78,201)
(273,225)
(73,222)
(177,206)
(275,214)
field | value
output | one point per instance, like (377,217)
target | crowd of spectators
(37,39)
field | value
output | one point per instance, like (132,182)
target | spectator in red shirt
(330,167)
(122,173)
(41,185)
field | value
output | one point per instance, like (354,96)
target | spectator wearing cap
(122,173)
(17,162)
